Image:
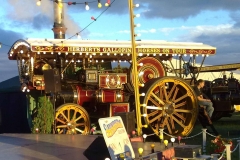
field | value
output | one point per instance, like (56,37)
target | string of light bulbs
(107,4)
(2,44)
(94,19)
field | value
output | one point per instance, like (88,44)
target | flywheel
(148,68)
(72,119)
(169,103)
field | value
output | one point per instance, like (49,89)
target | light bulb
(172,139)
(143,94)
(78,36)
(137,35)
(136,5)
(137,15)
(39,2)
(138,25)
(144,136)
(106,4)
(165,142)
(99,4)
(140,151)
(87,6)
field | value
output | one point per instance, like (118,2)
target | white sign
(116,138)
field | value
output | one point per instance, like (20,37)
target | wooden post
(228,151)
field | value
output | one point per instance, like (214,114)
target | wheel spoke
(64,116)
(181,98)
(154,102)
(175,94)
(180,116)
(155,96)
(160,92)
(172,122)
(180,104)
(183,110)
(74,115)
(60,132)
(59,120)
(80,124)
(164,122)
(171,91)
(165,93)
(68,113)
(180,123)
(155,118)
(153,113)
(62,126)
(78,118)
(169,128)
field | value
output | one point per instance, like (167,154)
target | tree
(43,116)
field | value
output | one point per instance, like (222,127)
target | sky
(213,22)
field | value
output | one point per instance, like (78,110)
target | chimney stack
(59,28)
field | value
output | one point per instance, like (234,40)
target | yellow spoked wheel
(169,103)
(72,119)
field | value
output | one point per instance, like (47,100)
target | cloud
(27,14)
(165,9)
(187,8)
(8,68)
(224,37)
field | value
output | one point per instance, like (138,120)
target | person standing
(206,103)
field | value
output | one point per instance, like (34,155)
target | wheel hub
(169,108)
(71,125)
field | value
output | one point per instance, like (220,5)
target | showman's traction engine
(79,74)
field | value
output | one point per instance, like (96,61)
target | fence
(204,133)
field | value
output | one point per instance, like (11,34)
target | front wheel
(72,119)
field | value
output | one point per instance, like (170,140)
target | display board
(116,138)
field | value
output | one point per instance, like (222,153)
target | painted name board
(123,50)
(116,138)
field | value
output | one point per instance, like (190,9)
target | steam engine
(224,93)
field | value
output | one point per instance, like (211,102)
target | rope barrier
(235,148)
(183,137)
(192,136)
(222,155)
(211,135)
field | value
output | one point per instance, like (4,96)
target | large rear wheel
(169,103)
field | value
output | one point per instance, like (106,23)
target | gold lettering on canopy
(123,50)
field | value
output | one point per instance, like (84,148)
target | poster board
(116,138)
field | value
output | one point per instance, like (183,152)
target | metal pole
(228,151)
(135,71)
(204,130)
(201,66)
(180,66)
